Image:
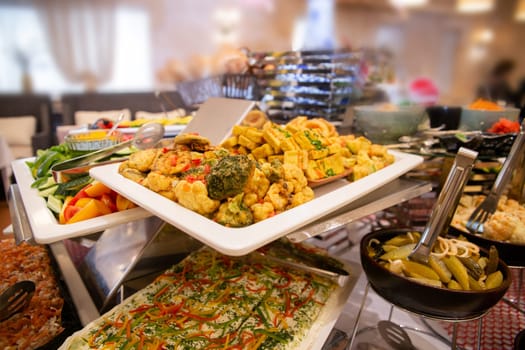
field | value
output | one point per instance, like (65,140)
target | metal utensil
(448,199)
(482,213)
(339,276)
(15,298)
(147,136)
(115,125)
(395,336)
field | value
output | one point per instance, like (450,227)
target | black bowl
(449,116)
(512,253)
(434,302)
(486,144)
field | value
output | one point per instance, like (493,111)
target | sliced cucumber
(54,203)
(48,183)
(48,191)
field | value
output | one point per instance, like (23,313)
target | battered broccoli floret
(234,213)
(228,177)
(273,171)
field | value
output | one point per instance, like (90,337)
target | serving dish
(240,241)
(480,119)
(433,302)
(486,144)
(189,274)
(45,226)
(511,253)
(386,124)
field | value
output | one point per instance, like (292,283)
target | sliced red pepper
(200,318)
(173,160)
(196,162)
(70,211)
(81,194)
(141,308)
(109,202)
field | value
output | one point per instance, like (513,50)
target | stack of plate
(308,83)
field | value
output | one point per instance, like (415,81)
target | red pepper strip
(301,304)
(128,329)
(161,292)
(207,169)
(141,308)
(99,332)
(165,150)
(255,290)
(172,309)
(141,342)
(186,168)
(173,160)
(287,309)
(200,318)
(196,162)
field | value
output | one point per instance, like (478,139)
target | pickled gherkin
(461,268)
(441,269)
(459,271)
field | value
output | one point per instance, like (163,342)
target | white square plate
(243,240)
(45,226)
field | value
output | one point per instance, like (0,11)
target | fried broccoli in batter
(234,213)
(229,176)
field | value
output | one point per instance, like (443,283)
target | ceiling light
(474,6)
(520,11)
(408,3)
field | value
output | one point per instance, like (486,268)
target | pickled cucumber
(414,269)
(440,268)
(453,284)
(492,264)
(473,268)
(474,284)
(399,253)
(458,270)
(494,280)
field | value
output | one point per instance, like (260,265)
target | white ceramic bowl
(386,125)
(479,119)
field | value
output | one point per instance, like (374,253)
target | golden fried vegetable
(234,213)
(194,196)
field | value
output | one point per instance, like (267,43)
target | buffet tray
(44,225)
(243,240)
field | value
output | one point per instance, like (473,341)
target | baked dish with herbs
(41,320)
(212,301)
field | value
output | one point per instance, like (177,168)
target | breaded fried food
(142,161)
(172,162)
(194,141)
(131,173)
(194,196)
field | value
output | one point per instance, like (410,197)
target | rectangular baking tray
(44,225)
(243,240)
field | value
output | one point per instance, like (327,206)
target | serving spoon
(147,136)
(15,298)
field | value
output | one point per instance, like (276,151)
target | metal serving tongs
(482,213)
(443,210)
(147,136)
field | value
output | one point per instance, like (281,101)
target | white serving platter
(44,225)
(243,240)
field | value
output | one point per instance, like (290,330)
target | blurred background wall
(435,41)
